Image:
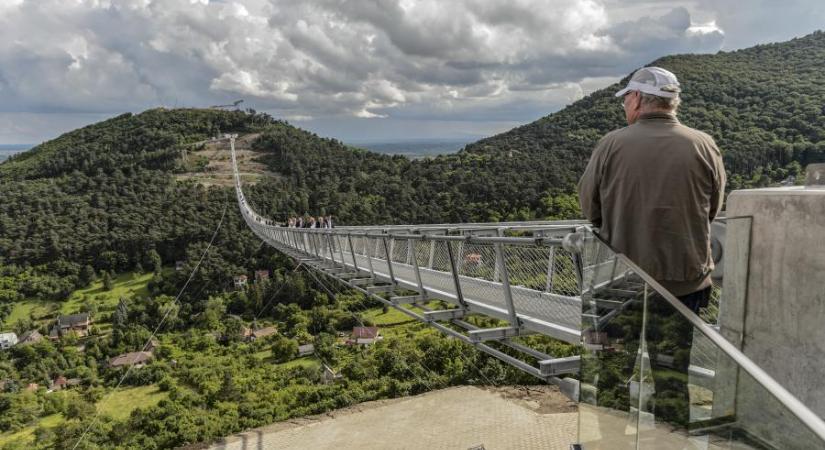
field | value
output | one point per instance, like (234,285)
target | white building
(7,340)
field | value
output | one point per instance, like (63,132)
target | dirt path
(218,171)
(455,418)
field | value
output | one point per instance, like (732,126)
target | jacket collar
(669,117)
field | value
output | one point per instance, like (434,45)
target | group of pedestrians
(310,222)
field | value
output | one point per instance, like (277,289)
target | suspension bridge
(557,279)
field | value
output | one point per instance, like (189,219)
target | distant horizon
(404,140)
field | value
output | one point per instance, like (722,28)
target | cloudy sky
(358,70)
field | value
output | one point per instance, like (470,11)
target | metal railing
(516,272)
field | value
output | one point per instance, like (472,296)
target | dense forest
(103,200)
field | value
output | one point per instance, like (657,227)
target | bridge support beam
(559,366)
(406,299)
(444,315)
(495,334)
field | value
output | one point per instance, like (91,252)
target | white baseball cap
(654,81)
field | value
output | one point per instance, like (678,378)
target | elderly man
(652,188)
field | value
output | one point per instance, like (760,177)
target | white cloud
(495,60)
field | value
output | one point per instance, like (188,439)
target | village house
(240,281)
(76,323)
(7,340)
(306,349)
(62,382)
(261,276)
(252,335)
(134,359)
(30,337)
(364,335)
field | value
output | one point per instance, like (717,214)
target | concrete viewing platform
(455,418)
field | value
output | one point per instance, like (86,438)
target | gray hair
(670,104)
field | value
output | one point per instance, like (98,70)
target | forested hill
(104,195)
(764,105)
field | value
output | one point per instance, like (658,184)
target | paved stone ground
(455,418)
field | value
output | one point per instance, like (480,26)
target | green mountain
(763,105)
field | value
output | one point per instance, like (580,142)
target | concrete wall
(780,314)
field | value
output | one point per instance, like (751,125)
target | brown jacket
(653,188)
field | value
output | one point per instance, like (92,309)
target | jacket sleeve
(719,180)
(589,197)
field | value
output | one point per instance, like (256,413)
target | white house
(7,340)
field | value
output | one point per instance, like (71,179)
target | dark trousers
(669,338)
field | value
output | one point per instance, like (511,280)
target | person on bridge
(652,189)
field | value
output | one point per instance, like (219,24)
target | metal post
(505,282)
(352,251)
(456,279)
(613,272)
(409,251)
(460,258)
(389,259)
(340,250)
(417,272)
(432,255)
(551,269)
(496,275)
(311,245)
(331,248)
(369,258)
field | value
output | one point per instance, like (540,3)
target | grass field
(306,361)
(30,308)
(124,285)
(27,434)
(121,403)
(118,405)
(394,323)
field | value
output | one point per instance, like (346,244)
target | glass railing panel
(655,376)
(702,398)
(612,378)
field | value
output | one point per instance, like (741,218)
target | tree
(119,320)
(153,261)
(325,347)
(108,284)
(22,325)
(79,409)
(87,275)
(284,349)
(121,314)
(234,329)
(228,391)
(213,313)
